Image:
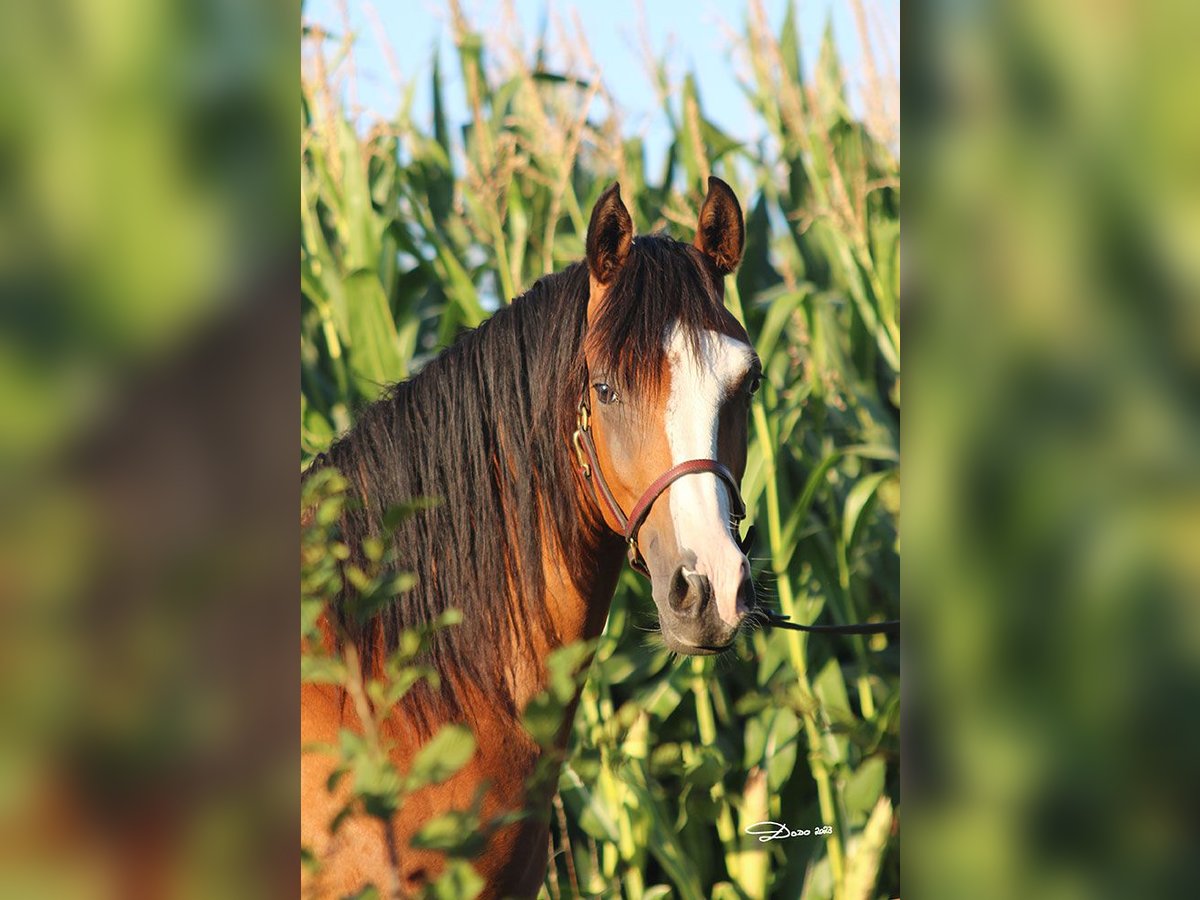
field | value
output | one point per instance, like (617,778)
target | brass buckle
(635,557)
(582,420)
(577,440)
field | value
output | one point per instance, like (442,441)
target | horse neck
(580,584)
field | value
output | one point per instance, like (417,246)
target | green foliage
(411,233)
(376,788)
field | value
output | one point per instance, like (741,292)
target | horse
(602,413)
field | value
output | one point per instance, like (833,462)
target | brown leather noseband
(589,464)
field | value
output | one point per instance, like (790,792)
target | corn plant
(411,233)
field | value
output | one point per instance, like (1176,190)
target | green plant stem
(707,724)
(795,639)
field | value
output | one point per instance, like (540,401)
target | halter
(589,464)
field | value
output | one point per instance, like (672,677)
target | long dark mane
(484,430)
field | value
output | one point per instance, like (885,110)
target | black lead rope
(775,620)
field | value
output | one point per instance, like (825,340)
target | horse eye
(604,393)
(754,385)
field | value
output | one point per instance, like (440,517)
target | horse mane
(484,431)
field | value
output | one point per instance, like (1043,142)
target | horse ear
(721,233)
(609,236)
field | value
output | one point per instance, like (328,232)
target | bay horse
(620,384)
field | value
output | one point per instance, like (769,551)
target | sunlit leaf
(441,756)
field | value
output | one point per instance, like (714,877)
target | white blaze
(700,506)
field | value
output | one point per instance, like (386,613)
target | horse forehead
(704,376)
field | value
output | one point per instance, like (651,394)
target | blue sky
(689,32)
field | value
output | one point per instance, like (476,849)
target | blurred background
(148,186)
(148,308)
(1052,480)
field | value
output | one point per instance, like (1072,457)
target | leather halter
(589,464)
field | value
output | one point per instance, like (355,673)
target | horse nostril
(680,589)
(745,596)
(689,592)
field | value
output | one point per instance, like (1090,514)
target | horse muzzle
(689,613)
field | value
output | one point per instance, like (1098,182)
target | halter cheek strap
(589,464)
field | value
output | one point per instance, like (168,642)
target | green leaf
(830,82)
(663,698)
(441,756)
(830,689)
(554,78)
(459,881)
(567,666)
(666,848)
(781,750)
(789,47)
(362,228)
(858,504)
(341,818)
(322,670)
(440,132)
(543,719)
(706,768)
(335,778)
(455,833)
(586,808)
(864,788)
(374,344)
(798,514)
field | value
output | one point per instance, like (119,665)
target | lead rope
(891,627)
